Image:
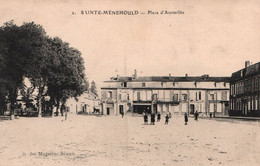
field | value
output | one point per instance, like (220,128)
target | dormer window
(195,84)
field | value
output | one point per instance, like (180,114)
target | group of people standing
(167,117)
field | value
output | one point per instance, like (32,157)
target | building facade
(177,95)
(245,91)
(87,103)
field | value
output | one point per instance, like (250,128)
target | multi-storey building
(245,91)
(166,94)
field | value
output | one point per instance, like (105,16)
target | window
(256,84)
(125,84)
(199,95)
(175,97)
(253,85)
(184,97)
(154,96)
(256,103)
(128,98)
(143,84)
(224,96)
(120,96)
(211,96)
(249,104)
(109,94)
(138,96)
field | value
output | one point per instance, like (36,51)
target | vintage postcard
(133,82)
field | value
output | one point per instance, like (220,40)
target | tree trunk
(13,97)
(12,111)
(52,106)
(57,108)
(63,107)
(40,106)
(41,88)
(52,112)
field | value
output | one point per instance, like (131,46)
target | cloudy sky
(212,38)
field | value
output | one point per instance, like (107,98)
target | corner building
(245,91)
(164,94)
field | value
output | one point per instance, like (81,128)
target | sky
(211,37)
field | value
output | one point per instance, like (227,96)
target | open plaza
(113,140)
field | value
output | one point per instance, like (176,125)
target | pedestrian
(122,114)
(196,115)
(66,114)
(170,115)
(152,119)
(167,119)
(145,119)
(186,118)
(158,117)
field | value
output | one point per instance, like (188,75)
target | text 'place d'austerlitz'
(129,12)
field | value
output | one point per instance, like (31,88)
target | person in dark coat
(152,119)
(167,119)
(66,115)
(122,114)
(145,119)
(196,115)
(158,117)
(186,118)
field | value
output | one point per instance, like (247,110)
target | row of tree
(53,68)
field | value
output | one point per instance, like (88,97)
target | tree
(66,78)
(23,49)
(11,72)
(34,51)
(93,88)
(52,66)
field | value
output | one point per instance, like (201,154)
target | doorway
(192,108)
(108,111)
(121,109)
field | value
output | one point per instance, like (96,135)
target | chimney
(205,76)
(247,64)
(117,76)
(170,75)
(186,76)
(135,74)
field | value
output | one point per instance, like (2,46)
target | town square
(114,83)
(112,140)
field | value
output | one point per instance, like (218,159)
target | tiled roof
(204,78)
(246,72)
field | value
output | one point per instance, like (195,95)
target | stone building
(164,94)
(245,91)
(87,103)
